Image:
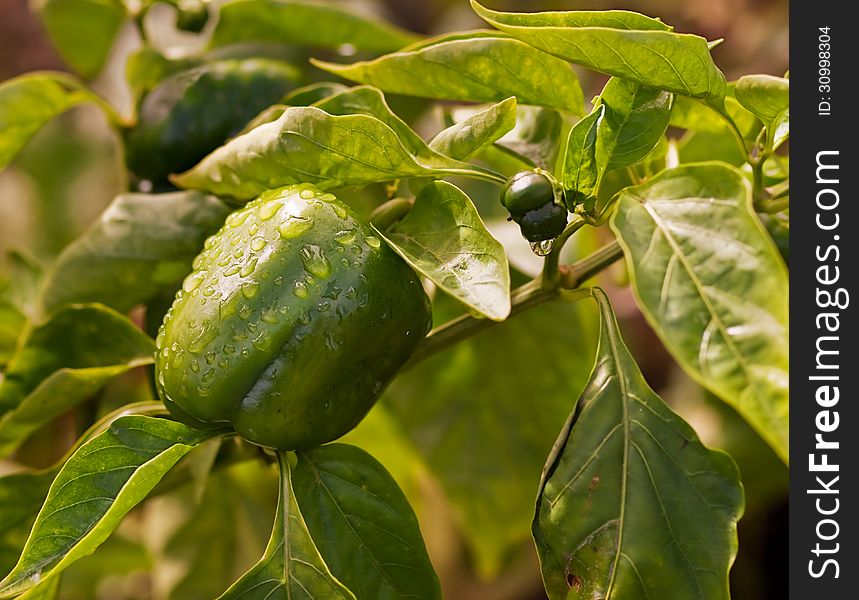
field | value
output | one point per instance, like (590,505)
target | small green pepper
(526,191)
(295,318)
(544,223)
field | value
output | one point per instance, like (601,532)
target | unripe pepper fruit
(536,204)
(294,320)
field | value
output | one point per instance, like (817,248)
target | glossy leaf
(369,101)
(83,30)
(28,102)
(64,361)
(713,286)
(767,97)
(291,566)
(306,144)
(104,479)
(620,43)
(634,121)
(582,171)
(470,136)
(631,504)
(308,23)
(443,238)
(362,524)
(142,244)
(471,67)
(486,405)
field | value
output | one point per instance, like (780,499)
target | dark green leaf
(142,243)
(362,524)
(582,171)
(710,281)
(485,407)
(470,136)
(306,144)
(443,238)
(62,362)
(620,43)
(634,121)
(767,97)
(318,24)
(104,479)
(28,102)
(471,68)
(631,504)
(291,566)
(83,30)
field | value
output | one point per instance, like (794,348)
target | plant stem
(533,293)
(550,264)
(390,212)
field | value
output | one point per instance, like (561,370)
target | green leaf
(537,137)
(64,361)
(104,479)
(313,92)
(306,144)
(142,244)
(620,43)
(631,504)
(767,97)
(28,102)
(291,566)
(317,24)
(362,524)
(713,286)
(18,287)
(21,495)
(485,407)
(369,101)
(83,30)
(470,68)
(443,238)
(634,122)
(582,171)
(470,136)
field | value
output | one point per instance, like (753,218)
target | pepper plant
(299,250)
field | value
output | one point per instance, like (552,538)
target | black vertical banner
(824,268)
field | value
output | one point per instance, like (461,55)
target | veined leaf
(142,244)
(443,238)
(622,44)
(64,361)
(767,97)
(83,30)
(104,479)
(634,121)
(303,22)
(631,504)
(582,171)
(713,286)
(471,67)
(366,100)
(291,566)
(470,136)
(306,144)
(28,102)
(362,524)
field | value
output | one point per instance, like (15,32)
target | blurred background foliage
(465,437)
